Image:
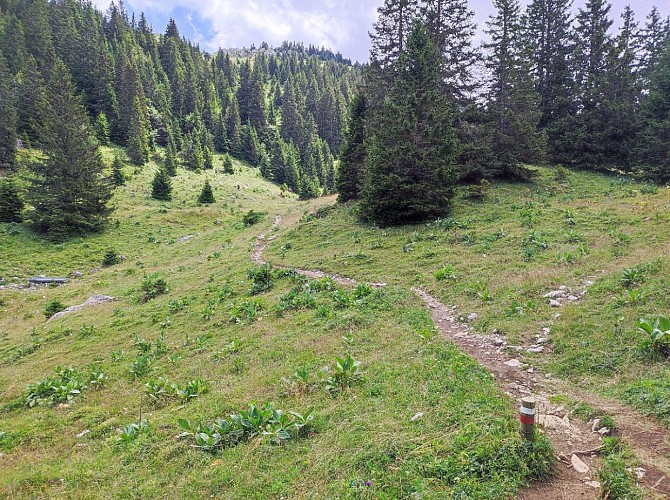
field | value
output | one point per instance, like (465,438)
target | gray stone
(578,465)
(603,431)
(473,316)
(535,350)
(554,295)
(595,426)
(555,303)
(514,363)
(542,340)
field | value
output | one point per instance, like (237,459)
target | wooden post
(527,418)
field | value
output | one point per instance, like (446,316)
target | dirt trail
(569,436)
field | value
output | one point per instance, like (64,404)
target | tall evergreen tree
(547,32)
(352,160)
(69,194)
(450,24)
(513,104)
(161,186)
(7,117)
(138,133)
(389,33)
(653,152)
(206,196)
(410,162)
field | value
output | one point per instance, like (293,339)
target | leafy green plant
(273,426)
(616,474)
(632,276)
(63,388)
(298,383)
(631,297)
(245,311)
(131,432)
(261,279)
(658,331)
(153,285)
(345,373)
(53,307)
(446,272)
(141,365)
(342,299)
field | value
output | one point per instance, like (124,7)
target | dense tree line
(282,110)
(546,87)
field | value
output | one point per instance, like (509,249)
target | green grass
(499,256)
(219,323)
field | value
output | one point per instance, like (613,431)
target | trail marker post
(527,418)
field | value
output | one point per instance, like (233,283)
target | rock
(592,484)
(494,332)
(557,315)
(546,330)
(543,340)
(640,473)
(603,431)
(578,465)
(76,274)
(473,316)
(416,417)
(547,375)
(514,363)
(562,288)
(62,406)
(556,294)
(530,370)
(535,350)
(551,421)
(572,298)
(460,335)
(555,303)
(83,433)
(595,425)
(498,342)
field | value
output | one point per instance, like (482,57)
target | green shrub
(446,272)
(161,186)
(658,331)
(252,217)
(261,279)
(111,258)
(53,307)
(153,285)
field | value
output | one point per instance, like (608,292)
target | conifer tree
(161,186)
(207,159)
(138,134)
(206,195)
(7,117)
(170,163)
(31,100)
(118,177)
(69,194)
(654,149)
(352,160)
(11,202)
(513,112)
(389,33)
(410,161)
(101,127)
(228,165)
(547,31)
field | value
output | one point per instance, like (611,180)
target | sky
(339,25)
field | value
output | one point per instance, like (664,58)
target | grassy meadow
(193,335)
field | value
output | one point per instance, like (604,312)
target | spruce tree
(513,112)
(410,161)
(228,165)
(69,193)
(547,31)
(118,177)
(7,117)
(654,151)
(390,31)
(170,163)
(11,202)
(206,195)
(138,133)
(101,127)
(161,186)
(352,160)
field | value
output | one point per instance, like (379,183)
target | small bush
(53,307)
(446,272)
(153,285)
(252,217)
(111,258)
(658,331)
(161,186)
(345,373)
(261,279)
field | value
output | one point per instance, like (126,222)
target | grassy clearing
(423,418)
(499,256)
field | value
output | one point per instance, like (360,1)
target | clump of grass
(616,474)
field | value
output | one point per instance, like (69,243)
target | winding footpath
(572,439)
